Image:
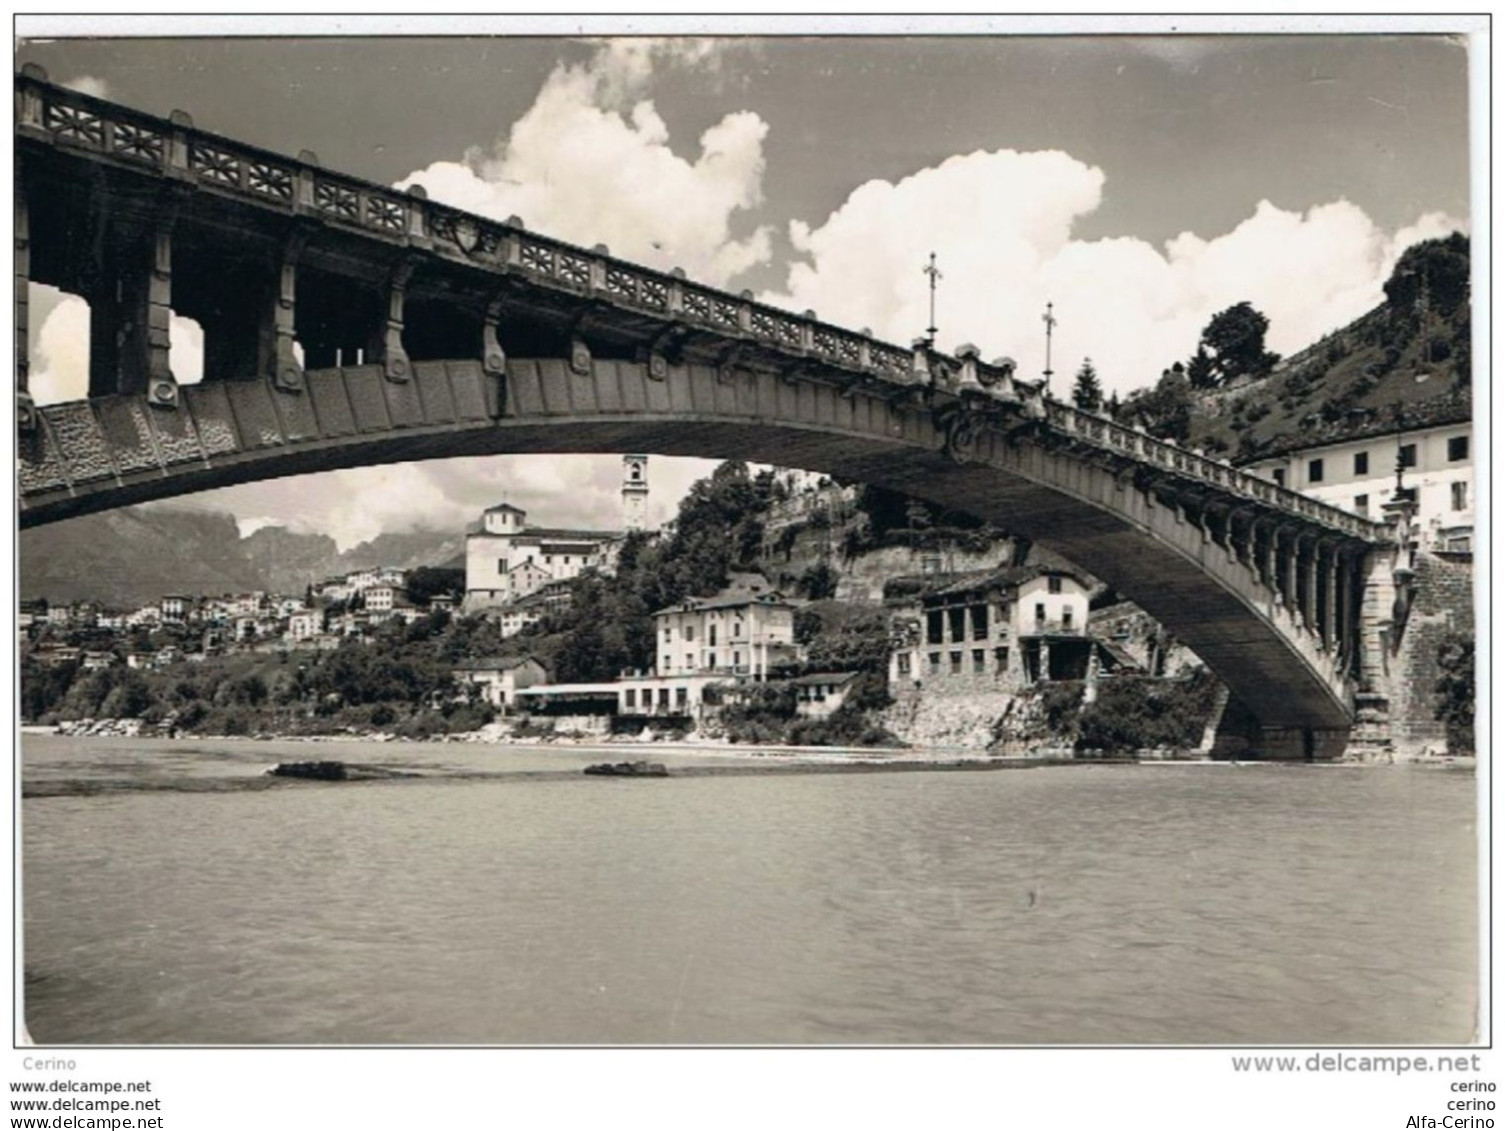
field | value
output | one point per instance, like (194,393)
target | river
(171,897)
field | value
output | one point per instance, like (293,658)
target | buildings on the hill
(507,560)
(1360,467)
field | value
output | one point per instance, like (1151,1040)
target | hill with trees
(1399,365)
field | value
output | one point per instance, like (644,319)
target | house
(333,589)
(385,576)
(98,661)
(821,693)
(247,605)
(738,634)
(991,630)
(385,598)
(1362,464)
(56,655)
(500,679)
(305,625)
(148,615)
(176,608)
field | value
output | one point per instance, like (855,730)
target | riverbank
(771,756)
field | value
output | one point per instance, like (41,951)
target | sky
(1140,184)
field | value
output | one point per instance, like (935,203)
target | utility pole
(1050,325)
(934,272)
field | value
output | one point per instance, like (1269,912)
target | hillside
(1406,363)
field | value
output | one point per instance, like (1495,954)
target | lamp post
(1050,325)
(935,273)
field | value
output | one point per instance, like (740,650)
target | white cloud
(88,84)
(355,505)
(591,162)
(60,348)
(1000,223)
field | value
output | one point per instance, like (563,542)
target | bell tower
(634,492)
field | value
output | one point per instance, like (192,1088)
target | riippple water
(166,900)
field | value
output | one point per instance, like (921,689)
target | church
(506,559)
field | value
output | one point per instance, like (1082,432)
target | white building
(305,625)
(821,694)
(175,608)
(505,558)
(739,634)
(1359,474)
(499,680)
(995,630)
(653,696)
(364,579)
(385,598)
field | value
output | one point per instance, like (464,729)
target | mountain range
(134,555)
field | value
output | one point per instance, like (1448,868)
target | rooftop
(1362,423)
(816,678)
(912,586)
(771,599)
(497,663)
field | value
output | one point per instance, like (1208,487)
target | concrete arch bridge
(426,332)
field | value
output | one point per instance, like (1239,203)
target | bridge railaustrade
(427,332)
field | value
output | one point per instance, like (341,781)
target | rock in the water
(318,771)
(628,770)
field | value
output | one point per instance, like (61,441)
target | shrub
(1455,692)
(1139,712)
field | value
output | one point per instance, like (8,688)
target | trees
(427,582)
(1165,410)
(1233,345)
(1435,271)
(1087,393)
(1455,692)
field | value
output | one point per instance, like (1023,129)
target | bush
(1140,713)
(845,727)
(1455,693)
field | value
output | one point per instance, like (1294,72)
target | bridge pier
(1238,735)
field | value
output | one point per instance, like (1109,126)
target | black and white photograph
(756,535)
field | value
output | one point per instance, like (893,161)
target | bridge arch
(1151,536)
(554,348)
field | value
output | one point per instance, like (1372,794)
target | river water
(170,898)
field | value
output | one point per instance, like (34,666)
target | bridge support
(130,317)
(1237,735)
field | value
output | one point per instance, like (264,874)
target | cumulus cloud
(60,347)
(591,162)
(1001,225)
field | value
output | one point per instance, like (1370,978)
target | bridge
(348,324)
